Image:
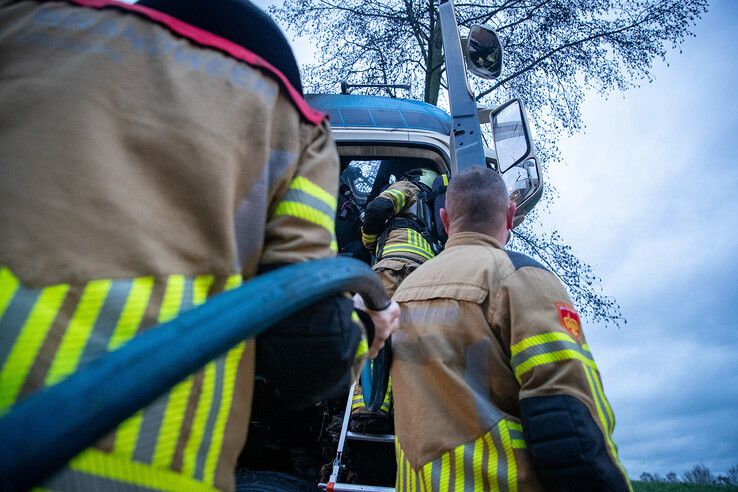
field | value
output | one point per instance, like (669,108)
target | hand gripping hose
(44,431)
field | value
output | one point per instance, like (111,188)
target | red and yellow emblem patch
(570,320)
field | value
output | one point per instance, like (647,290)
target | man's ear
(511,208)
(444,218)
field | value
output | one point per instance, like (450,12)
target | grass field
(678,487)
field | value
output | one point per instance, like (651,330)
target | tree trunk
(434,62)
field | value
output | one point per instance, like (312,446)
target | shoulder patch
(519,260)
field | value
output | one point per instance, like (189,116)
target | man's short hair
(477,200)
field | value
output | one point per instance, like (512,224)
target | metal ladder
(333,484)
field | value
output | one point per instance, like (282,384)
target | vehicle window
(359,175)
(367,170)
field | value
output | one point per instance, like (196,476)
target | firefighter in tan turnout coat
(147,164)
(495,387)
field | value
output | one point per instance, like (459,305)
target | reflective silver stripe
(149,430)
(107,320)
(469,466)
(516,435)
(79,481)
(278,163)
(153,415)
(207,437)
(477,372)
(250,219)
(501,459)
(436,469)
(15,317)
(547,348)
(295,195)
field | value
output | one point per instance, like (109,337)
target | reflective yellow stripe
(459,467)
(133,311)
(172,301)
(9,285)
(127,434)
(401,468)
(492,470)
(233,358)
(32,335)
(200,287)
(307,213)
(303,184)
(406,248)
(507,446)
(398,199)
(445,471)
(179,395)
(233,281)
(333,246)
(606,404)
(538,340)
(593,385)
(130,320)
(445,179)
(201,416)
(112,467)
(79,330)
(477,464)
(559,355)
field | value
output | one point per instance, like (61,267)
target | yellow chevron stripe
(491,461)
(126,435)
(445,471)
(133,312)
(459,467)
(233,281)
(25,350)
(9,285)
(79,330)
(233,358)
(507,446)
(200,288)
(477,464)
(176,407)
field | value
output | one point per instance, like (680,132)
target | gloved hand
(376,215)
(386,322)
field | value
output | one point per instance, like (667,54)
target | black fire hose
(41,433)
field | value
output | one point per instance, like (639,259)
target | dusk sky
(647,196)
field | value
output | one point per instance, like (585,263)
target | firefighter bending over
(397,229)
(148,164)
(495,387)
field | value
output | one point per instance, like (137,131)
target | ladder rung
(349,487)
(356,436)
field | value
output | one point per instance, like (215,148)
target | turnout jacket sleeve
(567,420)
(301,227)
(301,222)
(397,197)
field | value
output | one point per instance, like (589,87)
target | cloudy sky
(648,197)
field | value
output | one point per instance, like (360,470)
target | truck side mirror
(484,52)
(515,155)
(511,135)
